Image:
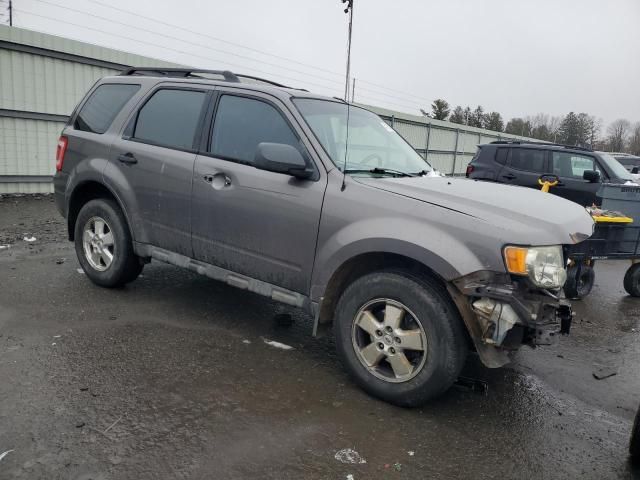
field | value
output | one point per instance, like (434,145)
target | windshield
(372,143)
(615,166)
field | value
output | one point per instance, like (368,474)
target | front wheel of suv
(400,337)
(104,245)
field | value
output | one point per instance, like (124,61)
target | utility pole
(349,11)
(10,14)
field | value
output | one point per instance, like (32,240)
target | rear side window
(242,123)
(527,159)
(102,107)
(501,155)
(170,118)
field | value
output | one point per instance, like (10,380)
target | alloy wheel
(389,340)
(98,243)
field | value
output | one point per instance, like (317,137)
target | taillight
(60,151)
(469,170)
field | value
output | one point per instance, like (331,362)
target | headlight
(543,265)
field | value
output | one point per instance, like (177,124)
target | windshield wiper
(381,171)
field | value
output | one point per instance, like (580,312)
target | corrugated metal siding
(28,146)
(46,85)
(60,44)
(6,188)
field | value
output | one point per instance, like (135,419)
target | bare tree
(618,132)
(634,140)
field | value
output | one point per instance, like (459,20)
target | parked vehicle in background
(580,170)
(630,162)
(259,186)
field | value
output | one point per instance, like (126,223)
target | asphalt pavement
(173,377)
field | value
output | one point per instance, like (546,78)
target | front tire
(400,337)
(104,245)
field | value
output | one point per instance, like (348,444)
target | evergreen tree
(440,109)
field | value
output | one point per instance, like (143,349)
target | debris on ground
(113,424)
(29,239)
(4,247)
(4,454)
(603,372)
(275,344)
(350,477)
(411,453)
(79,270)
(59,261)
(57,336)
(80,424)
(348,455)
(246,341)
(472,384)
(397,467)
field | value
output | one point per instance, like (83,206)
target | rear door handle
(128,158)
(509,176)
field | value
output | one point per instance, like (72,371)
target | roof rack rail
(550,144)
(227,75)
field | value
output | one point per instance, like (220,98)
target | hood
(525,215)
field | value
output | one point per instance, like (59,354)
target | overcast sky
(518,57)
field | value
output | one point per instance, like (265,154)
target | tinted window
(527,159)
(102,107)
(501,155)
(567,164)
(170,118)
(242,123)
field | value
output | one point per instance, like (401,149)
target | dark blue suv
(579,170)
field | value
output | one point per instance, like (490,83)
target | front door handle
(217,180)
(127,158)
(509,176)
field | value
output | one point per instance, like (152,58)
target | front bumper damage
(501,314)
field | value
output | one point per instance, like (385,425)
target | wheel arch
(85,192)
(360,265)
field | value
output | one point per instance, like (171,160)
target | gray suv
(320,205)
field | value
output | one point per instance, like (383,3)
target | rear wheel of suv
(103,244)
(400,337)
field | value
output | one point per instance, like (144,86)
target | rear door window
(170,118)
(501,155)
(528,159)
(572,165)
(102,106)
(242,123)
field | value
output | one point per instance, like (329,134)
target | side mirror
(281,158)
(592,176)
(634,170)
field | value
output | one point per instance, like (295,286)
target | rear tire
(399,367)
(104,246)
(579,286)
(632,280)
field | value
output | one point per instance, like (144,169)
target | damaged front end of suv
(522,306)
